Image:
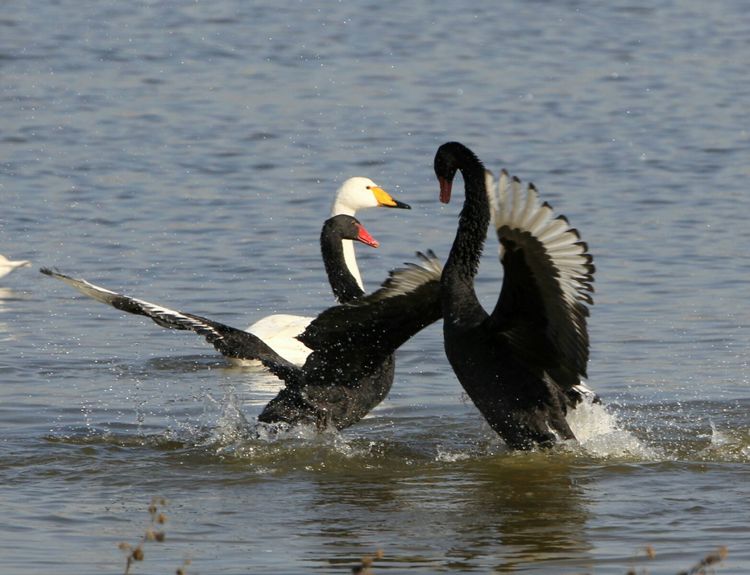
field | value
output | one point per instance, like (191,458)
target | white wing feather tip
(160,314)
(404,280)
(519,210)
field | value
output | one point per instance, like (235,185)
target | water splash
(231,425)
(718,438)
(727,445)
(600,433)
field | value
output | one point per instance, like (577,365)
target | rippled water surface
(187,153)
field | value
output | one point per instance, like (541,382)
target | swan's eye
(369,187)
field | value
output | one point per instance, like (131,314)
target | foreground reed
(713,558)
(154,533)
(157,519)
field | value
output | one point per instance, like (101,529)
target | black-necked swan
(522,364)
(351,367)
(345,288)
(7,266)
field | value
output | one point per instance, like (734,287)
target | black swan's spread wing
(229,341)
(351,340)
(548,275)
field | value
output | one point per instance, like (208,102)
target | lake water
(187,153)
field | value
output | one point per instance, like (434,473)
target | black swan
(344,285)
(522,364)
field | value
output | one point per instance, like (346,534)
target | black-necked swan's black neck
(348,254)
(340,275)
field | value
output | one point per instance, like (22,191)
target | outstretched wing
(229,341)
(547,282)
(351,340)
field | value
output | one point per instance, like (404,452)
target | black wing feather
(229,341)
(548,273)
(350,340)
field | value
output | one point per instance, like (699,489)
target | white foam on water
(449,456)
(230,425)
(233,433)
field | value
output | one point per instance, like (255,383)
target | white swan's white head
(359,193)
(355,194)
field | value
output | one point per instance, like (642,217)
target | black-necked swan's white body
(280,331)
(7,266)
(522,364)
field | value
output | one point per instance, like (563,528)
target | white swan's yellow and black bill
(385,199)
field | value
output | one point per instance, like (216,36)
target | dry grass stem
(366,562)
(711,559)
(151,534)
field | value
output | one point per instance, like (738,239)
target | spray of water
(600,433)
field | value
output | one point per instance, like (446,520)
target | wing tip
(520,215)
(51,272)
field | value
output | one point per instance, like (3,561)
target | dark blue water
(187,153)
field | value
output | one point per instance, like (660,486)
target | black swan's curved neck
(343,283)
(463,261)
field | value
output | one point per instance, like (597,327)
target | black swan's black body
(522,364)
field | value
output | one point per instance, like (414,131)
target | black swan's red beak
(445,189)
